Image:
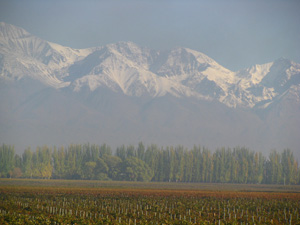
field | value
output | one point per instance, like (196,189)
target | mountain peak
(12,32)
(125,47)
(282,62)
(110,89)
(135,70)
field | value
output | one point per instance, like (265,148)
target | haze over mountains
(123,93)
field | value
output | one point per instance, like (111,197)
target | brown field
(26,201)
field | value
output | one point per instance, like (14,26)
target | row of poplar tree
(151,163)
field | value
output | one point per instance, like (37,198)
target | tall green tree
(141,151)
(71,166)
(180,168)
(197,164)
(42,162)
(151,158)
(289,170)
(89,170)
(130,151)
(7,154)
(104,150)
(188,166)
(59,164)
(27,163)
(101,170)
(259,161)
(121,152)
(273,169)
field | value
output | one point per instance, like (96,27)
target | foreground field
(85,202)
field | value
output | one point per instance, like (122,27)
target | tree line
(151,163)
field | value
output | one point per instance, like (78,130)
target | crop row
(140,208)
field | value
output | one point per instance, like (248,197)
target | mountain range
(122,93)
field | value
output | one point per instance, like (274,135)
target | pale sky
(236,33)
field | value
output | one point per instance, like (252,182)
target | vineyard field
(90,202)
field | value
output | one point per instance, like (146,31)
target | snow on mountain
(123,67)
(253,75)
(23,54)
(190,67)
(122,93)
(136,71)
(139,71)
(259,85)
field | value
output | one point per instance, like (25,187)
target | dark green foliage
(135,169)
(7,154)
(170,164)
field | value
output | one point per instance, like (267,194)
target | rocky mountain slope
(126,93)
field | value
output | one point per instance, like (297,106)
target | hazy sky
(237,34)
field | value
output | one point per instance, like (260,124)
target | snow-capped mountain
(123,93)
(23,54)
(263,84)
(136,71)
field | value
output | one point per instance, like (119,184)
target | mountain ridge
(123,93)
(135,70)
